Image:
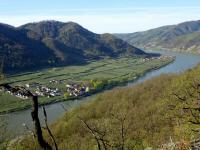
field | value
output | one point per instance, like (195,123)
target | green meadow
(113,71)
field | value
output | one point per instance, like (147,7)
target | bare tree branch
(92,132)
(48,129)
(178,97)
(36,121)
(35,118)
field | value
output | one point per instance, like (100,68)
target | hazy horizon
(112,16)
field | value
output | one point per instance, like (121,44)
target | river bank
(55,111)
(10,103)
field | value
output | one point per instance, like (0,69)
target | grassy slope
(147,40)
(181,37)
(149,119)
(114,70)
(189,42)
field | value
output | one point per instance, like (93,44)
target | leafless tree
(35,118)
(123,128)
(104,137)
(48,129)
(38,129)
(99,136)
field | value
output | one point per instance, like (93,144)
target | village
(77,89)
(16,91)
(162,58)
(72,89)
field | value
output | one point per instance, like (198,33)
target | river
(15,120)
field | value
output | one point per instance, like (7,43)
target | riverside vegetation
(102,74)
(48,44)
(153,113)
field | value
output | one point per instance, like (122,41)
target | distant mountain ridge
(181,37)
(52,43)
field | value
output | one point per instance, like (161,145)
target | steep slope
(146,115)
(17,52)
(71,35)
(52,43)
(180,37)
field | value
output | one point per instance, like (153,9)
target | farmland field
(113,71)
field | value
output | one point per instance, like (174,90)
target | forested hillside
(181,37)
(51,43)
(163,110)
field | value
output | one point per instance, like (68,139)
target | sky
(102,16)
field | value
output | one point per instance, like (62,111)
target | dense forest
(44,44)
(159,113)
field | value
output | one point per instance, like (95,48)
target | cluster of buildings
(77,89)
(42,90)
(17,91)
(73,89)
(162,57)
(47,92)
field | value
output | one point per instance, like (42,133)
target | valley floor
(72,82)
(160,113)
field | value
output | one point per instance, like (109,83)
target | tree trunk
(36,121)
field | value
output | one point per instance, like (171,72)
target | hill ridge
(179,37)
(57,44)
